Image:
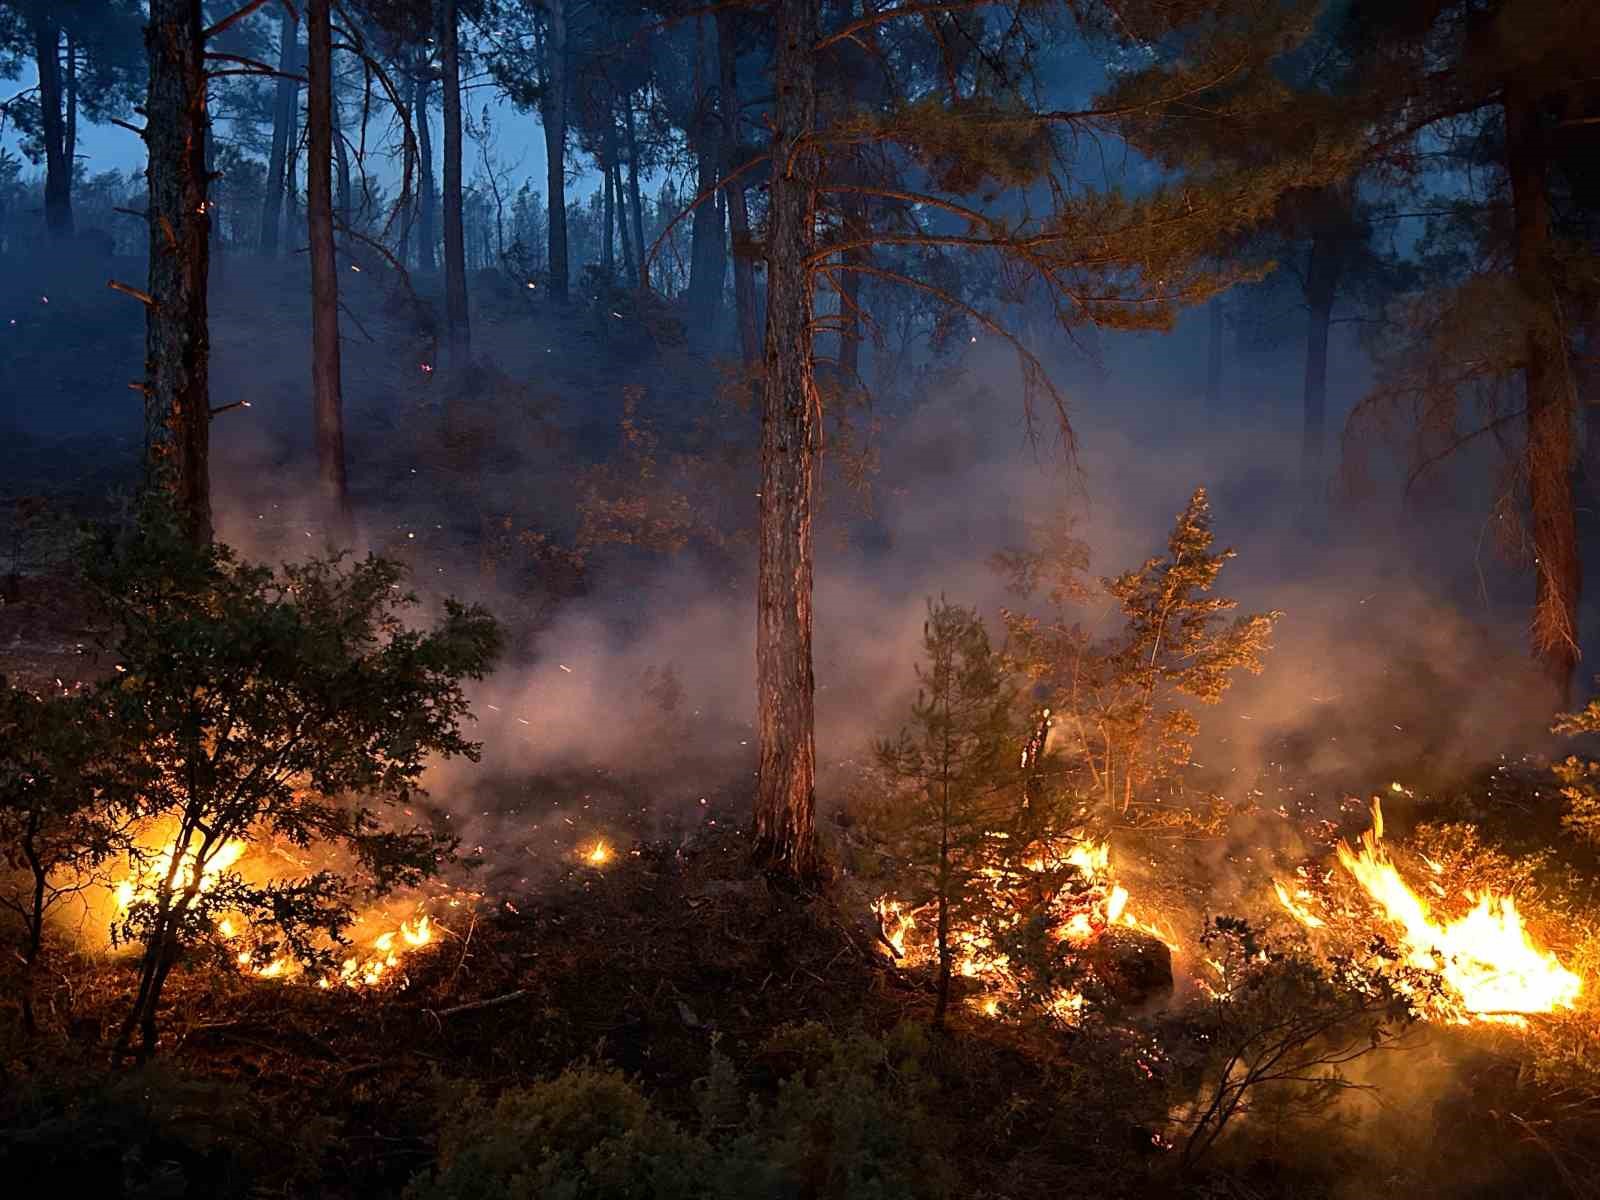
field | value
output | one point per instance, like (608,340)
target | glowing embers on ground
(597,853)
(371,961)
(1085,902)
(1488,964)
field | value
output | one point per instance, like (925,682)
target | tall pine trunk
(1550,442)
(629,247)
(553,112)
(1322,285)
(744,281)
(46,32)
(342,157)
(327,399)
(177,405)
(457,334)
(608,252)
(427,230)
(282,132)
(70,134)
(785,832)
(635,204)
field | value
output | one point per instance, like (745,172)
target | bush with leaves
(60,819)
(1278,1031)
(1123,705)
(260,703)
(849,1122)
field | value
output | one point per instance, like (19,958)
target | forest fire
(1490,966)
(367,967)
(1079,909)
(597,855)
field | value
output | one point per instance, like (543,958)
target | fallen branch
(493,1002)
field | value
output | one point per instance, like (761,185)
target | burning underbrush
(1473,945)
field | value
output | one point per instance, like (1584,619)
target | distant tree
(326,385)
(285,107)
(86,58)
(294,704)
(458,333)
(952,764)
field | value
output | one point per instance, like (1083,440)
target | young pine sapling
(953,765)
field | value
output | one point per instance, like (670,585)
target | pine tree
(1123,705)
(954,764)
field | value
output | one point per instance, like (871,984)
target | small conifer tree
(1123,704)
(953,764)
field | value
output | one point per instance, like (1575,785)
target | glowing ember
(1485,958)
(597,855)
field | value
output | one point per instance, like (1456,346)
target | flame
(141,885)
(1296,909)
(597,855)
(1079,913)
(1486,958)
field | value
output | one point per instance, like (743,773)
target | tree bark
(327,398)
(177,409)
(46,31)
(282,125)
(458,335)
(427,234)
(553,112)
(1550,441)
(785,832)
(629,244)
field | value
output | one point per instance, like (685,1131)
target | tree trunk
(427,236)
(708,259)
(177,409)
(744,281)
(553,112)
(785,830)
(71,133)
(1550,442)
(327,399)
(634,202)
(1322,285)
(342,157)
(407,171)
(57,167)
(282,126)
(608,251)
(630,248)
(458,335)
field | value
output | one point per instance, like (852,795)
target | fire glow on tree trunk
(1549,407)
(325,374)
(177,407)
(790,446)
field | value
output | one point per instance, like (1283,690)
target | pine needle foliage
(953,769)
(1123,706)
